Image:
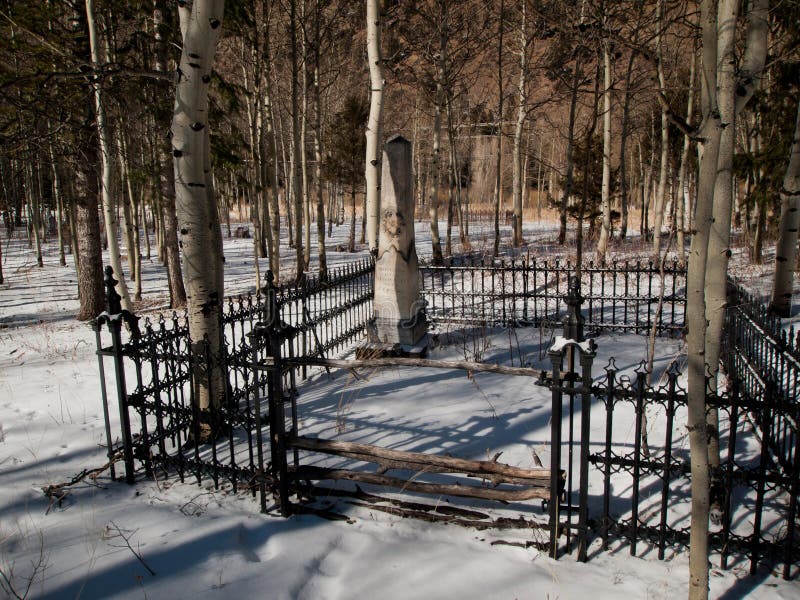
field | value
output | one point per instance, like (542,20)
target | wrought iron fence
(159,376)
(632,438)
(162,425)
(621,296)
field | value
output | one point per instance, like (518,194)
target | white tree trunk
(297,149)
(722,95)
(518,175)
(786,248)
(198,221)
(729,93)
(695,311)
(436,166)
(372,171)
(680,212)
(718,243)
(318,147)
(605,189)
(658,208)
(109,212)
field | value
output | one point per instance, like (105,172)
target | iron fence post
(586,409)
(277,419)
(556,358)
(113,317)
(96,325)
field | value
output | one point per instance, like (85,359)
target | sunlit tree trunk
(661,193)
(109,210)
(723,94)
(498,189)
(732,87)
(452,135)
(297,191)
(605,188)
(436,159)
(318,147)
(786,248)
(166,200)
(270,139)
(518,173)
(695,310)
(680,212)
(372,171)
(201,25)
(304,138)
(566,193)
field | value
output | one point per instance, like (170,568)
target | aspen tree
(372,172)
(201,25)
(786,248)
(109,210)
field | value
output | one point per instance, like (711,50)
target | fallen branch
(319,473)
(58,491)
(432,517)
(419,461)
(476,367)
(318,492)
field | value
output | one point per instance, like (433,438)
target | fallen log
(439,489)
(464,365)
(422,515)
(421,462)
(319,492)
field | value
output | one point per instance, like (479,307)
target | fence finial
(113,299)
(574,320)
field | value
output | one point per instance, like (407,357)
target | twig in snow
(7,575)
(113,531)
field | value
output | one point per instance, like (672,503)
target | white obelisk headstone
(398,308)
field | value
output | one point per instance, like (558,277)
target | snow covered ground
(163,539)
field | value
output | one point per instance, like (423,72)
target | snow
(203,543)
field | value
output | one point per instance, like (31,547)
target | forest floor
(164,539)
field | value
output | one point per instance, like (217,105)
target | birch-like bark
(297,150)
(372,172)
(729,87)
(605,188)
(695,311)
(786,248)
(201,24)
(661,193)
(623,143)
(303,139)
(166,200)
(318,147)
(109,210)
(498,185)
(518,178)
(59,198)
(268,115)
(127,210)
(566,193)
(455,170)
(34,210)
(680,209)
(436,159)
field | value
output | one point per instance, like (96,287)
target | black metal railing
(621,296)
(161,378)
(641,451)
